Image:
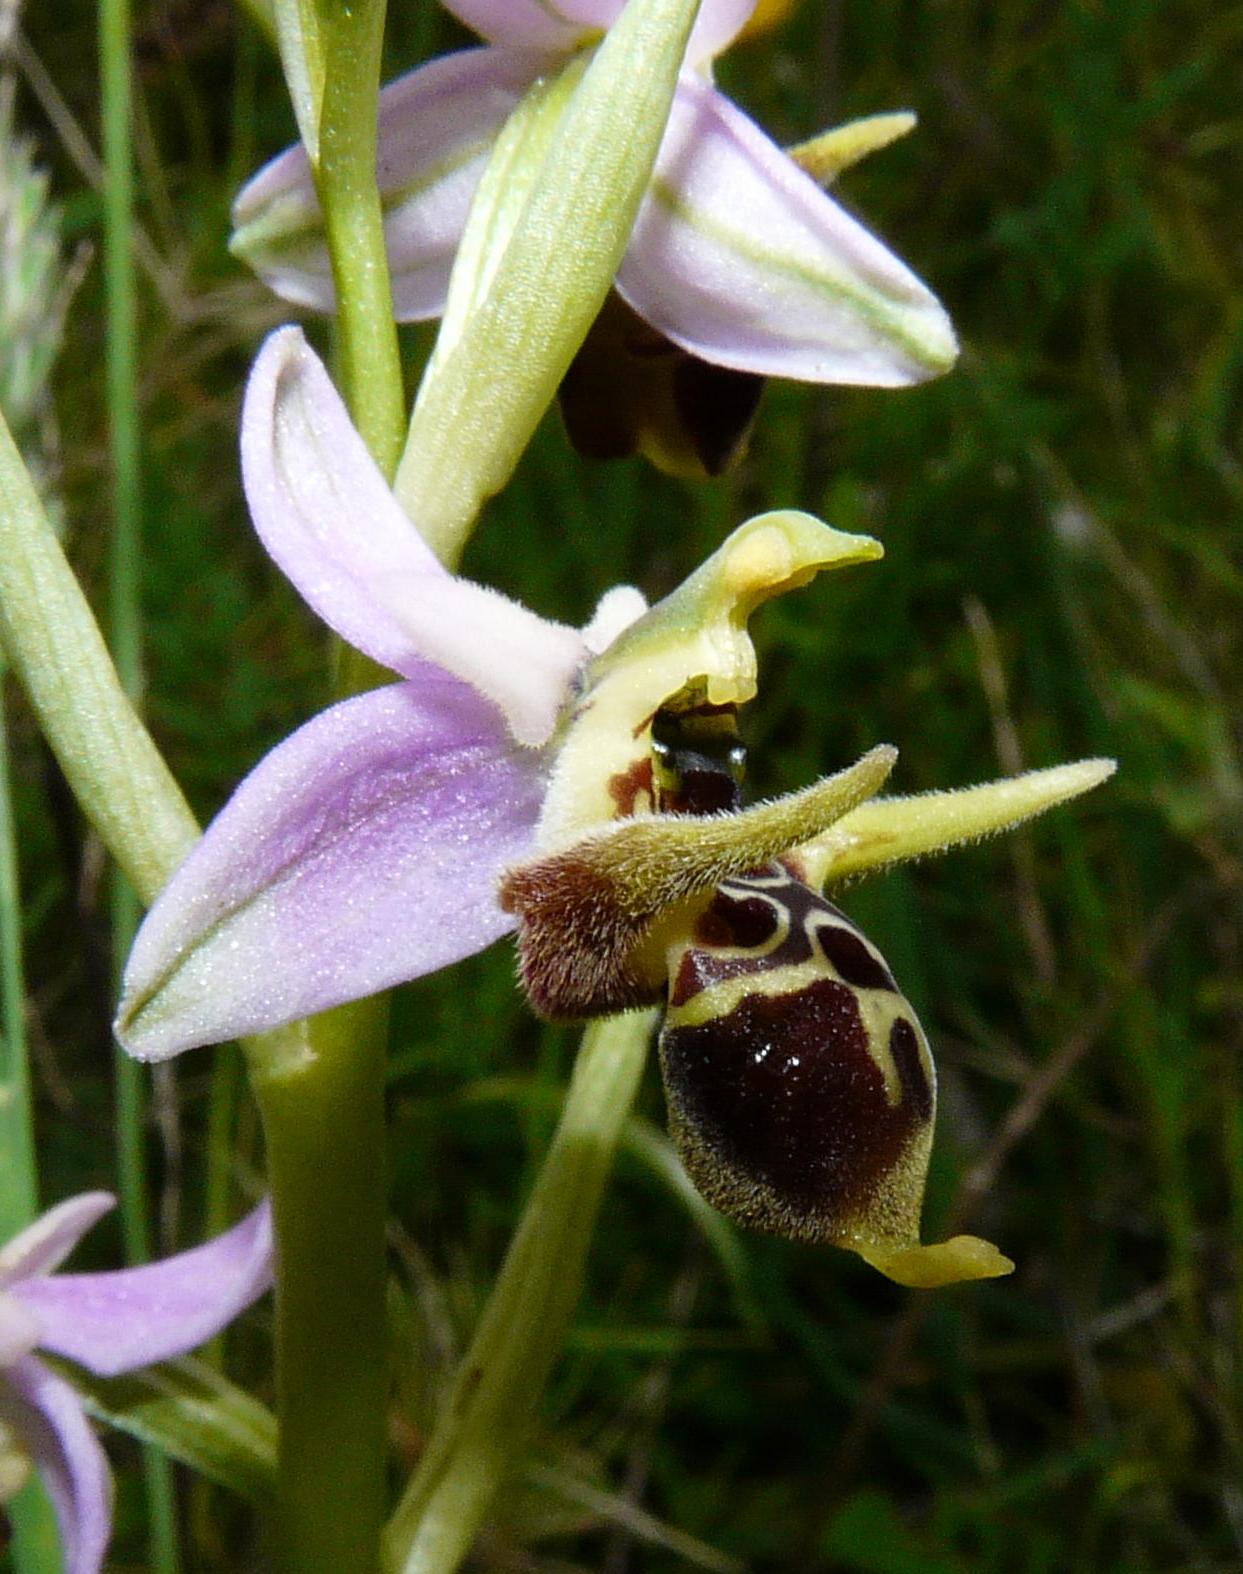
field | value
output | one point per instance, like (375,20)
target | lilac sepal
(44,1245)
(363,851)
(326,515)
(436,129)
(116,1322)
(19,1331)
(566,24)
(46,1415)
(739,257)
(560,25)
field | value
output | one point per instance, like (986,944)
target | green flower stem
(350,38)
(485,394)
(323,1118)
(487,1419)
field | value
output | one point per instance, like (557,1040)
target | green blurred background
(1062,578)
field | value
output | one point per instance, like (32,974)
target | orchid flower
(109,1323)
(737,255)
(572,783)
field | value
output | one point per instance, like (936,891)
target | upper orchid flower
(583,785)
(737,255)
(109,1323)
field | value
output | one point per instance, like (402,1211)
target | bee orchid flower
(737,255)
(579,785)
(109,1323)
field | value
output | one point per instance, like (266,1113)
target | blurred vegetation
(1062,578)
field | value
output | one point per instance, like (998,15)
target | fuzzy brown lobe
(576,943)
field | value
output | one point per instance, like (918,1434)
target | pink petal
(363,851)
(329,520)
(47,1416)
(44,1245)
(718,24)
(19,1330)
(117,1322)
(563,25)
(740,258)
(320,505)
(436,128)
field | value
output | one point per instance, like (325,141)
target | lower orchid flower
(581,786)
(109,1323)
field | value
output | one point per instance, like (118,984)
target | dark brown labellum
(630,390)
(799,1082)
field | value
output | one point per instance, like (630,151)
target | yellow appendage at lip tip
(955,1261)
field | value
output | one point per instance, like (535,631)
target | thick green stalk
(323,1119)
(487,1419)
(351,36)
